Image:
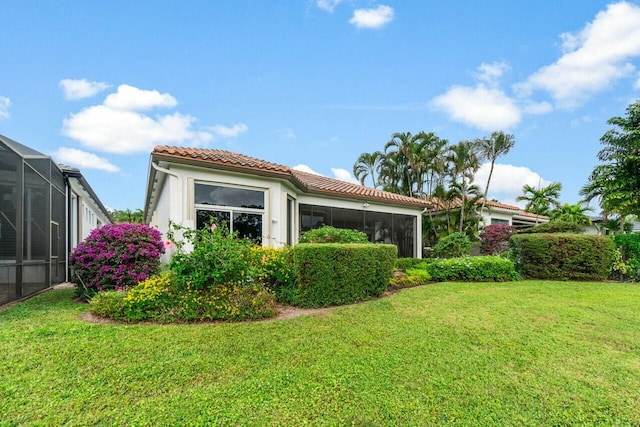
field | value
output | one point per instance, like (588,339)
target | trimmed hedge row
(335,274)
(473,269)
(562,256)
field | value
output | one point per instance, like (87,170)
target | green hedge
(555,227)
(335,274)
(561,256)
(473,269)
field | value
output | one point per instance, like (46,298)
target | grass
(520,353)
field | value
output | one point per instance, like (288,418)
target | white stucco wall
(175,202)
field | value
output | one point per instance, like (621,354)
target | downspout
(165,171)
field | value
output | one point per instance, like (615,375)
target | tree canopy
(616,182)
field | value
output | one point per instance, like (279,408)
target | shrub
(473,269)
(410,278)
(494,239)
(115,256)
(555,227)
(562,256)
(108,304)
(452,246)
(161,299)
(406,263)
(334,274)
(629,247)
(216,257)
(275,270)
(329,234)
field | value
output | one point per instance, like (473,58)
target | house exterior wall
(84,215)
(496,216)
(176,202)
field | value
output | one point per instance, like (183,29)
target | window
(290,220)
(242,212)
(499,221)
(217,195)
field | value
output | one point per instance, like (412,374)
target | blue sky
(315,83)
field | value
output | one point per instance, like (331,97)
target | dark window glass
(347,218)
(216,195)
(499,221)
(290,220)
(206,218)
(402,236)
(245,224)
(248,225)
(9,162)
(378,227)
(36,216)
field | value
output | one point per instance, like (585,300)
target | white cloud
(507,181)
(304,168)
(637,83)
(79,89)
(116,127)
(131,98)
(593,59)
(84,160)
(531,107)
(327,5)
(490,73)
(5,104)
(229,132)
(372,18)
(482,107)
(344,175)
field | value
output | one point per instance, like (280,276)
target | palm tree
(464,163)
(368,164)
(540,200)
(575,213)
(498,144)
(127,215)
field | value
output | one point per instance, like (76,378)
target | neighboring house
(497,213)
(40,209)
(271,203)
(596,226)
(502,213)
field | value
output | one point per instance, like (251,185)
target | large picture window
(240,210)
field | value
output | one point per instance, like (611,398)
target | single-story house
(502,213)
(597,226)
(271,203)
(496,213)
(45,210)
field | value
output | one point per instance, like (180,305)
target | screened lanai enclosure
(32,221)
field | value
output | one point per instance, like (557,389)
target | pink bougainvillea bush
(494,239)
(115,256)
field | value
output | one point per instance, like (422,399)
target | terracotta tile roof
(221,157)
(455,204)
(309,182)
(323,184)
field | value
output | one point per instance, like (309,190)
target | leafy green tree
(368,165)
(541,200)
(496,145)
(575,214)
(616,182)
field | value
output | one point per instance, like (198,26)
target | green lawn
(522,353)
